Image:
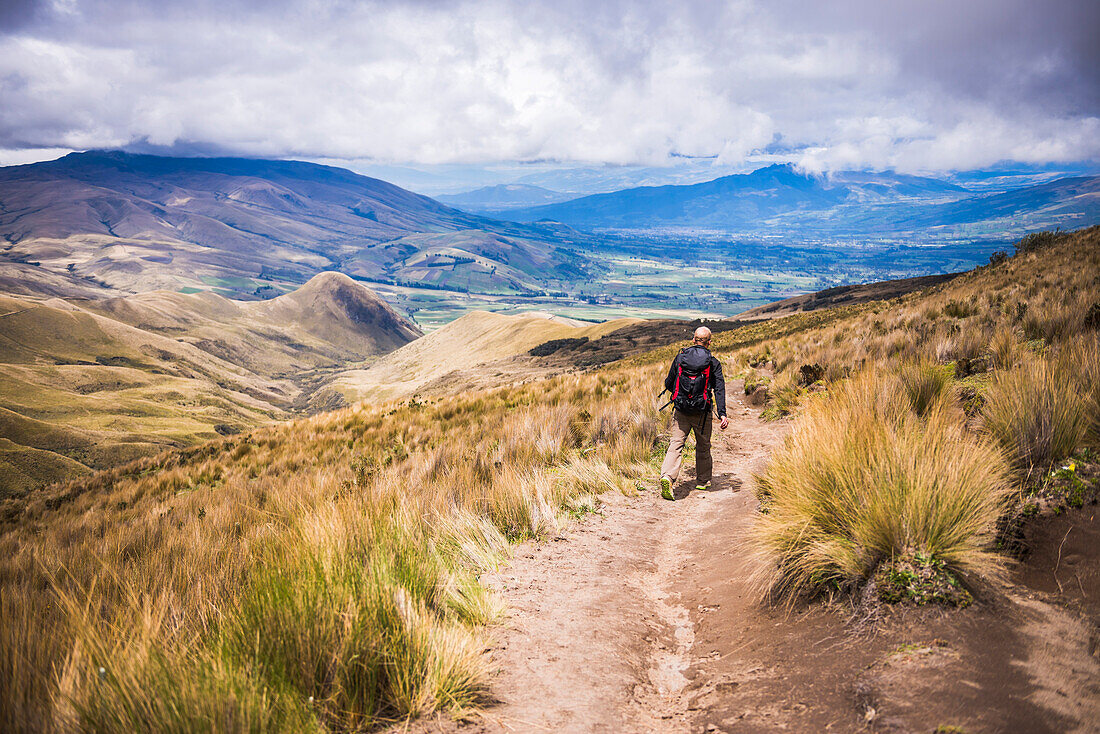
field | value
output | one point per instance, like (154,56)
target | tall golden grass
(1037,299)
(1038,412)
(888,465)
(863,477)
(321,574)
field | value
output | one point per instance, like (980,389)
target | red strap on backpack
(679,374)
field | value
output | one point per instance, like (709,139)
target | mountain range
(250,228)
(109,223)
(779,199)
(502,197)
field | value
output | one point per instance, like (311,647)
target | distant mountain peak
(783,172)
(491,199)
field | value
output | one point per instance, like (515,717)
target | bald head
(702,336)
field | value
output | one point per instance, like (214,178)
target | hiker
(694,378)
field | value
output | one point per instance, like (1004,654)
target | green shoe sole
(666,488)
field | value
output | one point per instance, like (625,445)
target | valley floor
(642,618)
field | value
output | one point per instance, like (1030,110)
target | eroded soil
(643,619)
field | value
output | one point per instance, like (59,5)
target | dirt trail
(597,637)
(640,619)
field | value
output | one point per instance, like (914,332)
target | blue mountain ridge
(779,197)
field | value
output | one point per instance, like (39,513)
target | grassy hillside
(371,523)
(322,574)
(935,424)
(451,352)
(328,322)
(840,295)
(91,384)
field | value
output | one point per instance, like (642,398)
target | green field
(630,286)
(684,276)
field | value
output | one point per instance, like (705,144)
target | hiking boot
(666,488)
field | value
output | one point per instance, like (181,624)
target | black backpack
(690,395)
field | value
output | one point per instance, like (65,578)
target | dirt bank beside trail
(641,619)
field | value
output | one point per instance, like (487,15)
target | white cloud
(618,82)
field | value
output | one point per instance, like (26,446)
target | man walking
(694,378)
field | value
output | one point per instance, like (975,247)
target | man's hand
(725,422)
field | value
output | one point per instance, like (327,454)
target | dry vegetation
(864,477)
(323,574)
(937,415)
(467,343)
(92,384)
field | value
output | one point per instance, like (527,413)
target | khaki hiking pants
(682,425)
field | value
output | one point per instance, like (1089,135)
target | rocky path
(641,619)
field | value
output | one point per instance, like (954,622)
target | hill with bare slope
(328,322)
(474,340)
(842,295)
(92,383)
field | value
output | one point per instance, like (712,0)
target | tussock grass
(380,626)
(785,397)
(926,385)
(1038,413)
(1004,348)
(887,466)
(336,557)
(862,478)
(1086,358)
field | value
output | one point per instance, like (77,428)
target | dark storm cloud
(16,14)
(1011,51)
(918,86)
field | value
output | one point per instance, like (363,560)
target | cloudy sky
(919,86)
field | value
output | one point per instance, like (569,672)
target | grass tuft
(925,384)
(1037,414)
(862,479)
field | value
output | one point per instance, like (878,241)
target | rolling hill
(841,296)
(249,228)
(88,384)
(446,357)
(328,322)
